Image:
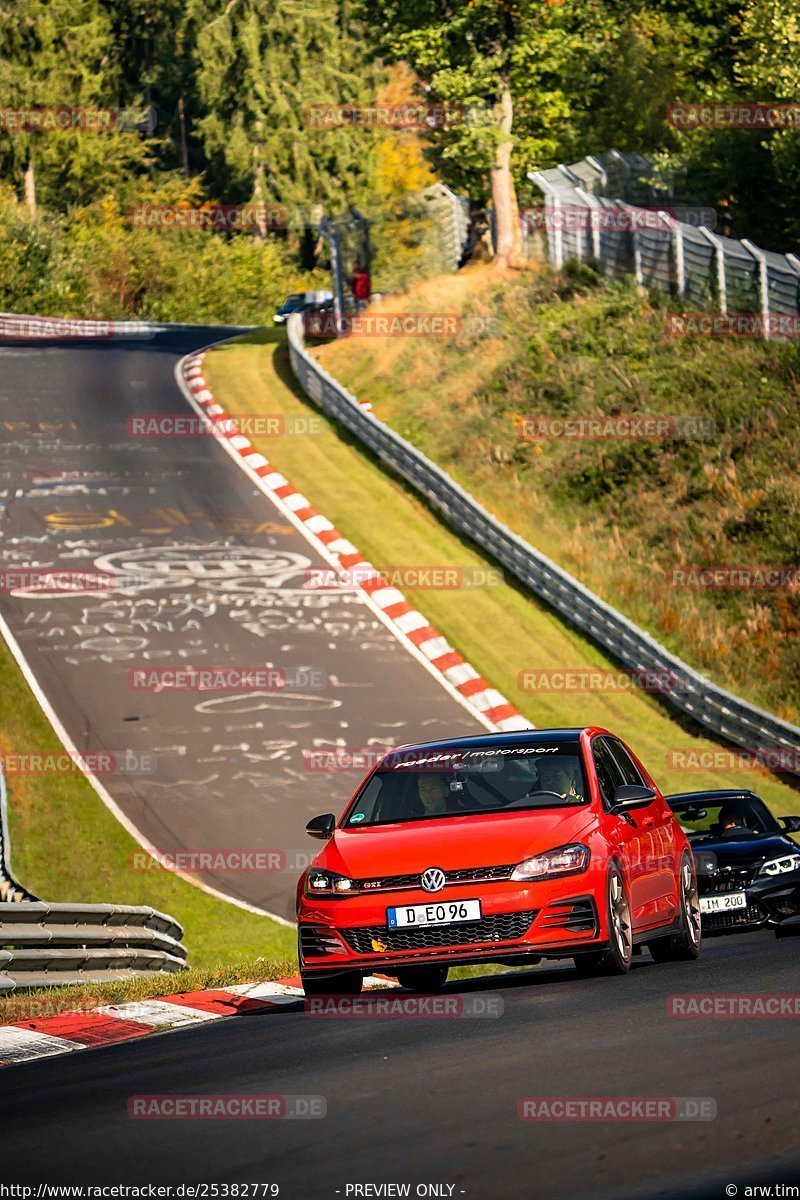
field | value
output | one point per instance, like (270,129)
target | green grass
(48,1002)
(500,629)
(620,515)
(66,846)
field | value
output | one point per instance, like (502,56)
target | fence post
(594,226)
(794,261)
(677,252)
(763,282)
(722,288)
(598,166)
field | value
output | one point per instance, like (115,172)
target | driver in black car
(732,819)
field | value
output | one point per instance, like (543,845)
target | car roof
(523,737)
(715,796)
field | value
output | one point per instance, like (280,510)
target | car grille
(735,919)
(501,927)
(727,879)
(394,883)
(575,916)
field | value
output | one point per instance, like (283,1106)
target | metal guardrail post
(678,255)
(719,255)
(594,207)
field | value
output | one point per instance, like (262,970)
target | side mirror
(321,827)
(631,795)
(790,824)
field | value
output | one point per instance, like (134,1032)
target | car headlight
(328,883)
(566,860)
(780,866)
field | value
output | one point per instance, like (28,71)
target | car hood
(742,852)
(452,843)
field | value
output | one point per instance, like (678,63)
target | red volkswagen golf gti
(501,848)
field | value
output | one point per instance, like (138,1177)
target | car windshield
(420,785)
(739,816)
(294,300)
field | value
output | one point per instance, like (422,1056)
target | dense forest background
(231,83)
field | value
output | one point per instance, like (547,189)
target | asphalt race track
(221,579)
(435,1100)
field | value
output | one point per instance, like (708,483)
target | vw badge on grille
(433,879)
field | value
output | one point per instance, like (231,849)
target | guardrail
(44,945)
(606,210)
(727,716)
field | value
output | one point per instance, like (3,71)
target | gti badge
(433,879)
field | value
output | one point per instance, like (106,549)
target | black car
(748,870)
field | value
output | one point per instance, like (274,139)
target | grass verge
(500,629)
(629,517)
(48,1002)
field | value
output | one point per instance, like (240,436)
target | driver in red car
(433,791)
(557,776)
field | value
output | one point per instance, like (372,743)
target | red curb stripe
(374,584)
(224,1003)
(88,1028)
(446,661)
(501,713)
(423,635)
(393,611)
(441,664)
(472,686)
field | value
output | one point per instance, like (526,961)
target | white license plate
(443,912)
(723,902)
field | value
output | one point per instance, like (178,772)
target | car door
(621,830)
(656,841)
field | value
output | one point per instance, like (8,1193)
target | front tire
(422,979)
(685,945)
(346,983)
(616,960)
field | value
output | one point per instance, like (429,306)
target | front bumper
(518,921)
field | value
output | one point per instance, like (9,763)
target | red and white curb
(406,622)
(109,1023)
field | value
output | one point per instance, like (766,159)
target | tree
(55,54)
(270,74)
